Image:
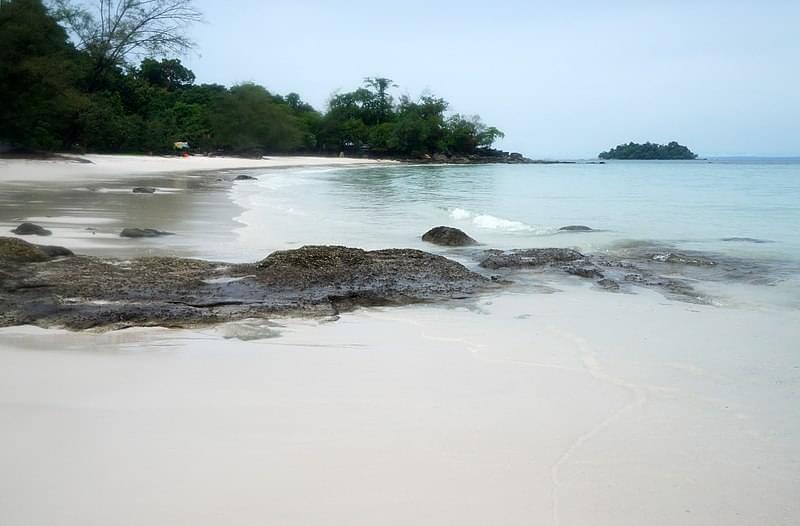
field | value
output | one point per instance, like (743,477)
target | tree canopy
(99,77)
(649,151)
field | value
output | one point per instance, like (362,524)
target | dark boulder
(143,232)
(243,178)
(144,190)
(533,257)
(448,236)
(575,228)
(55,251)
(30,229)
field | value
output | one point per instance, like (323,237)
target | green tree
(247,118)
(111,32)
(167,73)
(38,71)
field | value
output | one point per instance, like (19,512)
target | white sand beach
(557,404)
(104,167)
(578,408)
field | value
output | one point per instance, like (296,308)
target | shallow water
(743,213)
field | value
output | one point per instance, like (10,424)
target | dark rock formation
(82,292)
(448,236)
(243,178)
(15,251)
(143,232)
(575,228)
(30,229)
(532,257)
(144,190)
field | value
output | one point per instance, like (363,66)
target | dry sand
(107,167)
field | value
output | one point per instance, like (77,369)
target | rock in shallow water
(448,236)
(30,229)
(575,228)
(532,257)
(83,292)
(15,251)
(144,190)
(143,232)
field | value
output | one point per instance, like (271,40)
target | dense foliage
(69,83)
(649,151)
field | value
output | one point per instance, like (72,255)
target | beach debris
(143,232)
(144,190)
(448,236)
(575,228)
(30,229)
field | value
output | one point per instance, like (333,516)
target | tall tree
(115,31)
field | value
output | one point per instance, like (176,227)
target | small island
(649,151)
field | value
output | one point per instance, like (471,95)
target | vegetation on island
(649,151)
(102,76)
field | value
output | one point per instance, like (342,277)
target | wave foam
(490,222)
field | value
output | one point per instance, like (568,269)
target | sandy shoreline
(553,405)
(104,167)
(513,410)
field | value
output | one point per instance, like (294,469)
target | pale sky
(562,79)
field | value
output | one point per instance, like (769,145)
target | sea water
(745,209)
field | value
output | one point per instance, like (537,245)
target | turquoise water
(690,204)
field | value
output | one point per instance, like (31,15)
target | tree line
(72,78)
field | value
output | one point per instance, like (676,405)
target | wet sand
(547,414)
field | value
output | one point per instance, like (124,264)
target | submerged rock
(30,229)
(746,240)
(608,284)
(82,291)
(144,190)
(575,228)
(448,236)
(243,178)
(532,257)
(682,259)
(143,232)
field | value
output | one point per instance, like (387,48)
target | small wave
(490,222)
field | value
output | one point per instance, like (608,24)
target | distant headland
(649,151)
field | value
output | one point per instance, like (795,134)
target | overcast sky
(561,79)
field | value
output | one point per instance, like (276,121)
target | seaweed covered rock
(82,291)
(13,250)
